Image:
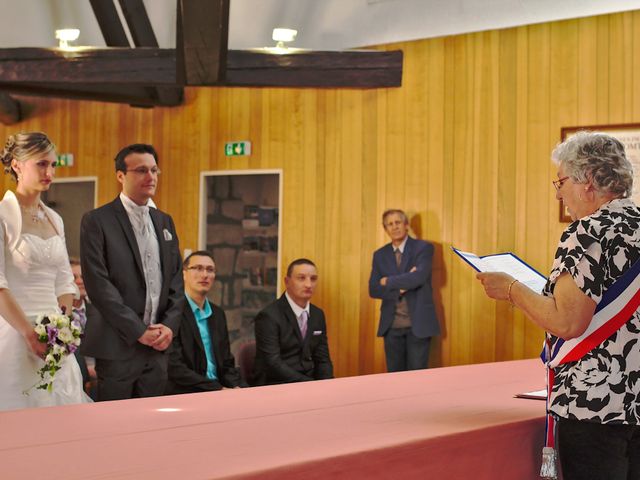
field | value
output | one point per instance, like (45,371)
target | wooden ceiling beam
(10,110)
(157,67)
(202,37)
(139,24)
(110,24)
(143,36)
(135,96)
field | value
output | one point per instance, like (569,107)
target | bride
(35,278)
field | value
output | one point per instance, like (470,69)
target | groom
(133,275)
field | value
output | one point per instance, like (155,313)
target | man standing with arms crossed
(401,277)
(132,272)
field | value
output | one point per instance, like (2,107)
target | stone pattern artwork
(242,235)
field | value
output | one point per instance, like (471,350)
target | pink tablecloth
(458,422)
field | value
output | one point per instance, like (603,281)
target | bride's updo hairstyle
(23,146)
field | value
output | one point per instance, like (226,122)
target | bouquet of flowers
(62,334)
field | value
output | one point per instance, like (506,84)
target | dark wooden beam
(202,37)
(110,24)
(139,24)
(142,34)
(157,67)
(10,111)
(87,66)
(351,69)
(135,96)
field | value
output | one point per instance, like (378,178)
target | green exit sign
(65,160)
(235,149)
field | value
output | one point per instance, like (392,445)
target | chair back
(246,361)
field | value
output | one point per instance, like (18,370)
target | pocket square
(167,235)
(317,332)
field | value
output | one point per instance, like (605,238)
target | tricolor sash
(616,307)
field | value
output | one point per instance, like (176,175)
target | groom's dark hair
(121,165)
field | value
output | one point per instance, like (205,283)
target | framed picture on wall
(72,197)
(629,136)
(240,226)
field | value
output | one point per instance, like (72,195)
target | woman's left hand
(496,284)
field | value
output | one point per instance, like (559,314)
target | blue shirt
(202,315)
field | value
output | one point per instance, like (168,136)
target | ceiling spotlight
(283,35)
(67,35)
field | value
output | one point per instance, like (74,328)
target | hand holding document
(507,263)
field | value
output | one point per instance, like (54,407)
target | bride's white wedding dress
(37,272)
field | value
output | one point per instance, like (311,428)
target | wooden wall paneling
(370,226)
(380,202)
(520,199)
(538,166)
(462,193)
(635,64)
(588,67)
(620,68)
(506,209)
(350,220)
(602,69)
(439,178)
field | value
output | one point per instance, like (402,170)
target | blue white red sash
(614,310)
(616,307)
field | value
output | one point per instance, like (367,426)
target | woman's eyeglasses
(558,183)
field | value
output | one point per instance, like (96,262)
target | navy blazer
(282,355)
(188,360)
(419,294)
(114,279)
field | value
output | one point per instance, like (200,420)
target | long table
(454,423)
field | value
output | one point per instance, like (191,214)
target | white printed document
(507,263)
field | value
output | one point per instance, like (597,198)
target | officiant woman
(588,311)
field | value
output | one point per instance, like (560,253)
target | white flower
(65,335)
(61,321)
(49,358)
(40,329)
(76,341)
(59,349)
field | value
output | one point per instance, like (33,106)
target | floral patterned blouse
(604,386)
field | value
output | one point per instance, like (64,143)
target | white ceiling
(322,24)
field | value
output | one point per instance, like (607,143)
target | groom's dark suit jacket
(188,360)
(282,355)
(114,279)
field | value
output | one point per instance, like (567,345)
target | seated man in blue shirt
(200,358)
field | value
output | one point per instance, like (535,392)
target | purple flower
(52,333)
(72,348)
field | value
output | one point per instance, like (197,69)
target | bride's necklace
(36,213)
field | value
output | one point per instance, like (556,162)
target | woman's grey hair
(597,157)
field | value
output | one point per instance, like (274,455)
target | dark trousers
(594,451)
(404,351)
(142,375)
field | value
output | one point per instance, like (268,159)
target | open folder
(507,263)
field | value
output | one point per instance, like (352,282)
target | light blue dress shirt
(202,316)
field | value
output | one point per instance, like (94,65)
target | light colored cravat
(302,322)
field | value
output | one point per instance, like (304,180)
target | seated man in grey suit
(200,358)
(291,333)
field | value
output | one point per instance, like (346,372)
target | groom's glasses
(155,171)
(202,269)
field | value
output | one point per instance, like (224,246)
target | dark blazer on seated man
(200,357)
(291,333)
